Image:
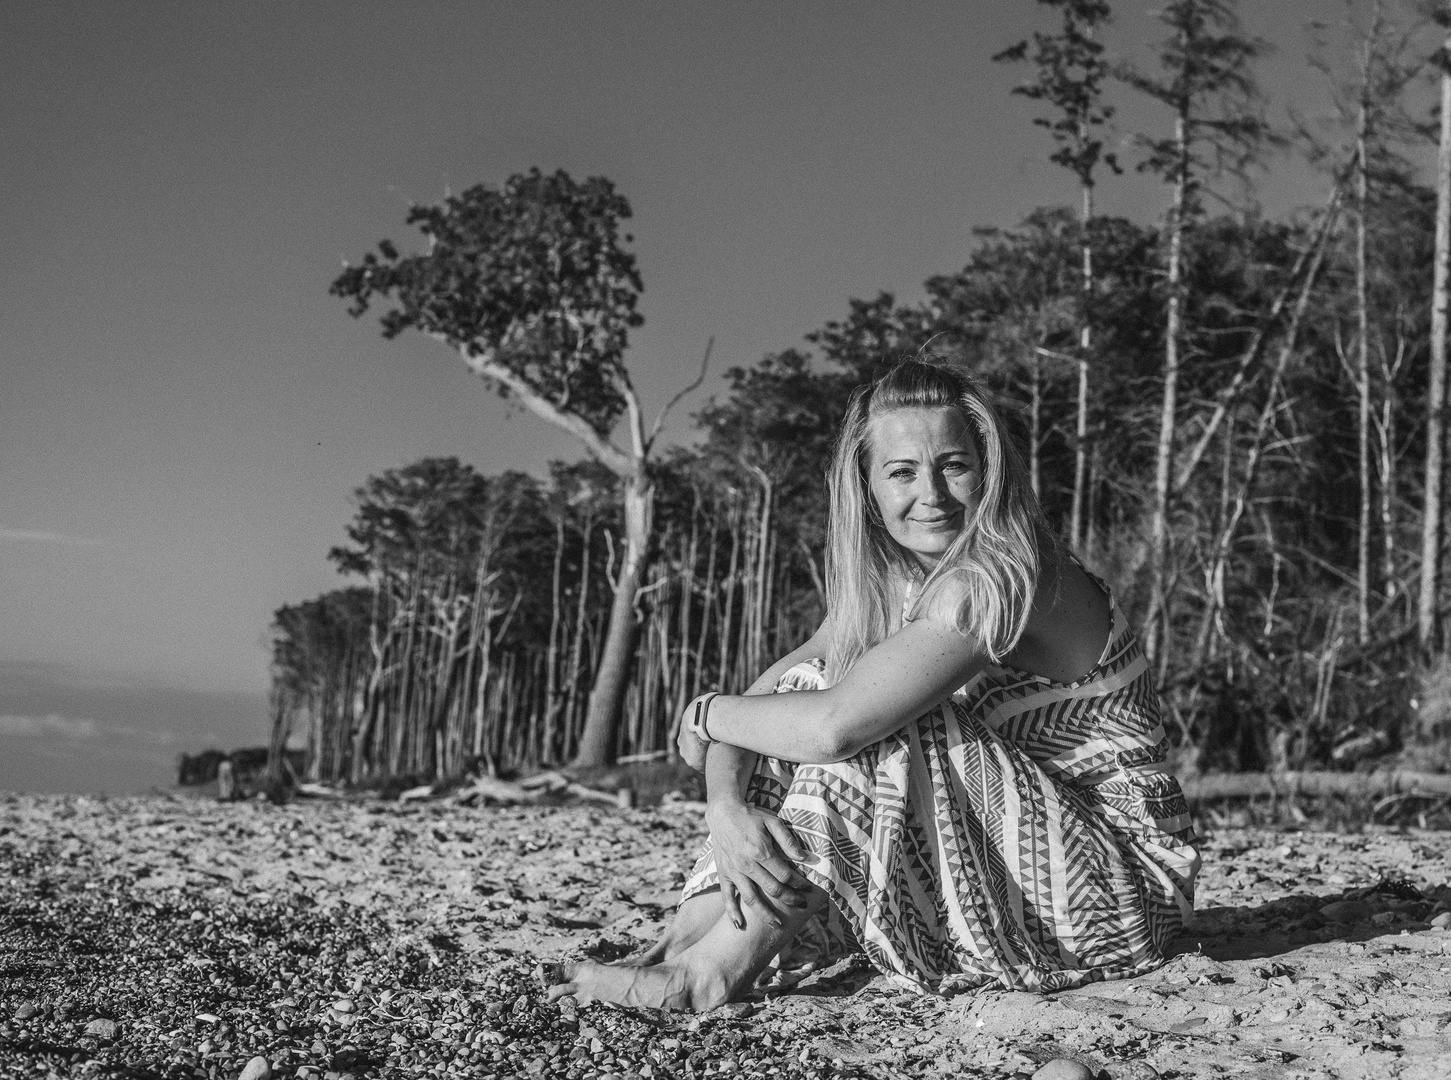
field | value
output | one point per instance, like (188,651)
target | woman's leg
(692,919)
(721,964)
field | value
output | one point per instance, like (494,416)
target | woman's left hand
(692,748)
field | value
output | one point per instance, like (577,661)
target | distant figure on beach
(226,781)
(965,780)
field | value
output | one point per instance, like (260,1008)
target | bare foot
(662,986)
(653,955)
(693,919)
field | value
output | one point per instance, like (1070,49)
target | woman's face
(925,475)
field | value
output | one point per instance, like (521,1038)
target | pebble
(1064,1069)
(26,1010)
(101,1029)
(1136,1070)
(1345,910)
(1442,921)
(343,1005)
(257,1069)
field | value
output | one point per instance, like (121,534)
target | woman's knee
(807,675)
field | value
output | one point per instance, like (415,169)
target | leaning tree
(532,285)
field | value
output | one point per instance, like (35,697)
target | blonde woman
(966,782)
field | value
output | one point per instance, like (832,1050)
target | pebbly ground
(181,938)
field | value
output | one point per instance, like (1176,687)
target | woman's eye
(901,474)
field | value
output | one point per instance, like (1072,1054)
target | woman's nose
(935,490)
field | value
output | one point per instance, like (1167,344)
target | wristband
(698,716)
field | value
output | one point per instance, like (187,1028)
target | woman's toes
(552,973)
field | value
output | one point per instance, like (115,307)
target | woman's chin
(933,546)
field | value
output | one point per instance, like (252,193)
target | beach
(181,937)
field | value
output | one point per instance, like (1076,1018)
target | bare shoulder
(1070,624)
(944,602)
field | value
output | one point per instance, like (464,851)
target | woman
(979,797)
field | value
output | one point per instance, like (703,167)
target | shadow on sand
(1292,922)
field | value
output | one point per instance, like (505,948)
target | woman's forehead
(919,430)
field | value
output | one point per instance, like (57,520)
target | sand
(397,940)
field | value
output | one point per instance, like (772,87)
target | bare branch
(660,420)
(1252,353)
(486,367)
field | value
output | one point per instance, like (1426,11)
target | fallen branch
(500,791)
(623,798)
(1281,785)
(317,791)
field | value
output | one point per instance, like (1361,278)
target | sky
(186,411)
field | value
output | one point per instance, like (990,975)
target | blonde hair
(995,557)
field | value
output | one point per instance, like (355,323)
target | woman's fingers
(787,841)
(732,898)
(771,880)
(763,908)
(778,878)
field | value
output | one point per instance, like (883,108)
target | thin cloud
(40,536)
(51,726)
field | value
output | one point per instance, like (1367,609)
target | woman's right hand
(752,852)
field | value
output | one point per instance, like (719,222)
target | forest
(1236,419)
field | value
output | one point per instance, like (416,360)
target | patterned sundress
(1022,835)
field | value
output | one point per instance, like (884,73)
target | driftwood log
(1366,784)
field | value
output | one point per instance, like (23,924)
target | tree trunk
(597,741)
(1156,624)
(1362,366)
(1426,622)
(687,594)
(581,621)
(1085,343)
(1035,422)
(282,707)
(553,699)
(367,722)
(729,586)
(762,593)
(707,605)
(1388,471)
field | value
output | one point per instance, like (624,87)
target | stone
(101,1029)
(257,1069)
(343,1005)
(1064,1069)
(1442,921)
(1344,911)
(26,1010)
(1134,1070)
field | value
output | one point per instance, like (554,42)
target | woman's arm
(890,685)
(727,767)
(753,848)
